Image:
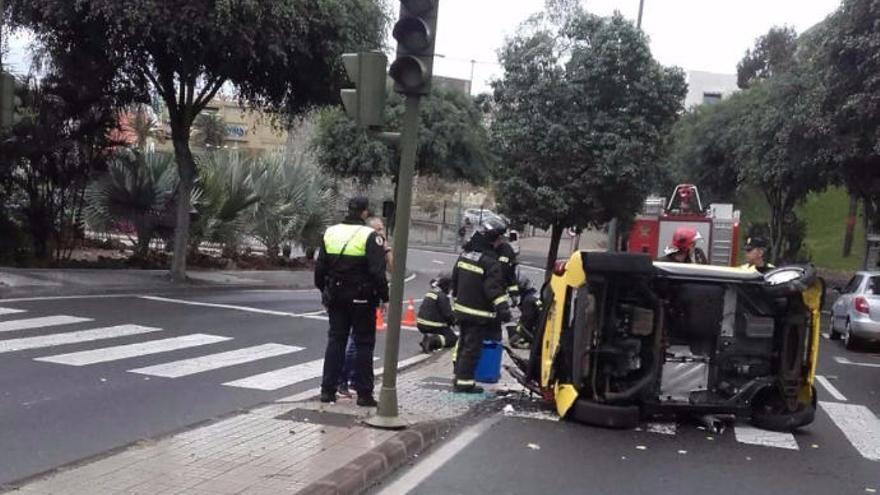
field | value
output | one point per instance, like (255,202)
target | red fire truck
(718,225)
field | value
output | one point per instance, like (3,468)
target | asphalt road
(79,377)
(503,454)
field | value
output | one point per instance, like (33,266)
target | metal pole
(471,88)
(387,414)
(641,11)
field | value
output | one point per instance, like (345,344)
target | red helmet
(683,239)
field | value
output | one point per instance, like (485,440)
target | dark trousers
(469,346)
(359,321)
(440,337)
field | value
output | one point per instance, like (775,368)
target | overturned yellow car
(624,338)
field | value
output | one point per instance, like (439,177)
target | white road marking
(418,358)
(21,344)
(438,262)
(830,388)
(860,426)
(10,311)
(116,353)
(429,464)
(185,367)
(284,377)
(756,436)
(410,278)
(41,322)
(247,309)
(661,428)
(64,298)
(843,360)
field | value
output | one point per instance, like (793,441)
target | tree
(279,56)
(579,116)
(211,129)
(773,53)
(453,143)
(845,52)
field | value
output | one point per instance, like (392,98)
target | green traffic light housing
(414,33)
(366,104)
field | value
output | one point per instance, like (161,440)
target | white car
(856,314)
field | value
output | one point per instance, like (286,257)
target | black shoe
(425,344)
(467,389)
(328,397)
(366,401)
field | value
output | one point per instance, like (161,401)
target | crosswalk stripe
(10,311)
(12,345)
(830,388)
(116,353)
(184,367)
(859,425)
(281,378)
(756,436)
(41,322)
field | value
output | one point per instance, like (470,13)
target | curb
(366,470)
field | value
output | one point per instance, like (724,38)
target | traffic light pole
(387,416)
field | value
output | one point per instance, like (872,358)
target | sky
(709,35)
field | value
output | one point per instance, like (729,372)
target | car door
(872,294)
(840,310)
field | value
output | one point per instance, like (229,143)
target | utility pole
(411,72)
(641,11)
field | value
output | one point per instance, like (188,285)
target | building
(451,83)
(247,129)
(708,87)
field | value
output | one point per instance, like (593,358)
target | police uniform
(435,320)
(350,273)
(480,293)
(752,243)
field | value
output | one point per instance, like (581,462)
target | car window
(873,287)
(852,284)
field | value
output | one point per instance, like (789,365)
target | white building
(708,87)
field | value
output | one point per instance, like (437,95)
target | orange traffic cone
(409,318)
(380,320)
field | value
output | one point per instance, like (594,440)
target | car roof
(709,272)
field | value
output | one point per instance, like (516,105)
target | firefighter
(683,248)
(756,249)
(530,309)
(435,319)
(481,299)
(350,273)
(507,258)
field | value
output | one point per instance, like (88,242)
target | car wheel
(832,333)
(789,280)
(850,341)
(604,415)
(767,412)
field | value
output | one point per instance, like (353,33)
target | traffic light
(7,99)
(366,104)
(415,35)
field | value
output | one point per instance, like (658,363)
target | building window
(711,98)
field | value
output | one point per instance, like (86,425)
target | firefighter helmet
(683,239)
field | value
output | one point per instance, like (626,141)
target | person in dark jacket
(350,273)
(435,319)
(683,248)
(530,307)
(478,285)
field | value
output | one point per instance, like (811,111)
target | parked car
(855,314)
(624,338)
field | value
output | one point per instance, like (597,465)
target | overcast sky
(710,35)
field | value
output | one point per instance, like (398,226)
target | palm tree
(211,129)
(137,189)
(144,126)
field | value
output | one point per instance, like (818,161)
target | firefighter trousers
(439,337)
(358,320)
(469,346)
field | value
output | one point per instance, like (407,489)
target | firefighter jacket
(698,257)
(478,285)
(507,258)
(351,264)
(435,311)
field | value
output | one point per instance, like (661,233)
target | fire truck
(718,225)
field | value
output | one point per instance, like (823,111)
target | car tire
(850,341)
(788,421)
(832,333)
(604,415)
(795,286)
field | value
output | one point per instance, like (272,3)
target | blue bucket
(489,366)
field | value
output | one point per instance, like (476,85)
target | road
(81,376)
(533,453)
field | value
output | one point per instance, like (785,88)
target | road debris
(534,446)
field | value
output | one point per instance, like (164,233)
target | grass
(825,214)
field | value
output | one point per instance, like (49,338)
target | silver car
(856,313)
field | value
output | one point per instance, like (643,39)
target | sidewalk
(293,445)
(31,282)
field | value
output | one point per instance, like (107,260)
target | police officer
(435,318)
(684,248)
(756,249)
(481,298)
(350,273)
